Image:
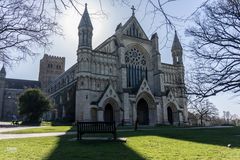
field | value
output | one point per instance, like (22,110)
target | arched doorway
(170,115)
(173,114)
(142,112)
(108,113)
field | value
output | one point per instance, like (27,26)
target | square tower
(50,68)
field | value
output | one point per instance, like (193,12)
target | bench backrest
(96,126)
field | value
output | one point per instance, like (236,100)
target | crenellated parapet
(50,68)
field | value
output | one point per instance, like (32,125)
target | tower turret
(176,51)
(85,29)
(3,72)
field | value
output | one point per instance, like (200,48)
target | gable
(170,96)
(144,87)
(109,93)
(132,28)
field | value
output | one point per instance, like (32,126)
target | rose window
(136,67)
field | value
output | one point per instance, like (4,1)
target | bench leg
(115,136)
(78,137)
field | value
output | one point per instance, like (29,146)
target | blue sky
(104,26)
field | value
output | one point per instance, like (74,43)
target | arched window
(136,67)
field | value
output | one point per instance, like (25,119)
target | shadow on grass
(69,148)
(212,136)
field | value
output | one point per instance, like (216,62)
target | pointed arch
(146,105)
(172,114)
(111,110)
(142,112)
(108,113)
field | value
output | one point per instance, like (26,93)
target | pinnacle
(176,43)
(85,20)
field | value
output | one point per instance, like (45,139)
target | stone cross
(133,10)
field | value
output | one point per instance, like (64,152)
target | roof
(134,20)
(85,20)
(176,43)
(21,84)
(99,99)
(3,70)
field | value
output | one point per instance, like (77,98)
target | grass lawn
(160,144)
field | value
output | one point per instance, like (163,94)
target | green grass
(160,144)
(44,129)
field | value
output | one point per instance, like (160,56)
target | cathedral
(121,80)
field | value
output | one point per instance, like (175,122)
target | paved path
(13,136)
(210,127)
(7,127)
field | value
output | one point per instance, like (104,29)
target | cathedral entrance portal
(173,114)
(108,113)
(170,115)
(142,112)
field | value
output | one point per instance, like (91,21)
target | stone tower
(84,54)
(177,51)
(2,87)
(50,68)
(156,65)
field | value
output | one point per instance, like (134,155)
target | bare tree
(235,119)
(203,110)
(230,118)
(215,48)
(24,27)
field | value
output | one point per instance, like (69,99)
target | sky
(104,26)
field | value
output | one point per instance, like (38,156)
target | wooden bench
(96,127)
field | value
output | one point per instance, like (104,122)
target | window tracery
(135,57)
(136,67)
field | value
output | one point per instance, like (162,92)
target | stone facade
(10,90)
(50,68)
(122,80)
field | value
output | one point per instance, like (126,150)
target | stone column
(100,115)
(152,115)
(165,116)
(180,117)
(159,113)
(134,107)
(126,107)
(63,112)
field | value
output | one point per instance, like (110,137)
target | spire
(177,51)
(85,21)
(85,29)
(176,43)
(3,72)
